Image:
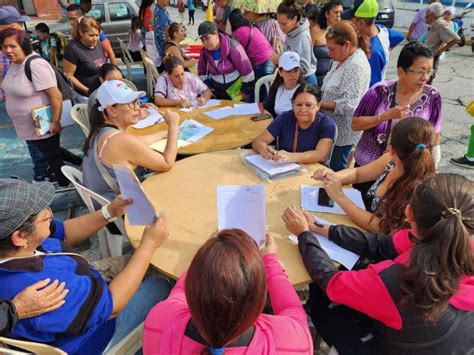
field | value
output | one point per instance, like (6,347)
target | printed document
(242,207)
(154,117)
(309,200)
(270,167)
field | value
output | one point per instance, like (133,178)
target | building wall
(49,9)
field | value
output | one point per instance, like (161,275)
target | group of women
(413,292)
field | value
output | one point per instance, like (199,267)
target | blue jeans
(261,70)
(151,292)
(312,79)
(40,166)
(340,157)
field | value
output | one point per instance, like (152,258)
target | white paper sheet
(141,211)
(242,207)
(154,117)
(186,109)
(220,113)
(246,109)
(309,200)
(335,252)
(161,145)
(209,103)
(271,167)
(191,130)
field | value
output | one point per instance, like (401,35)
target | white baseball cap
(289,60)
(116,92)
(451,10)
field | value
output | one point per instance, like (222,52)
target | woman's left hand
(333,186)
(55,127)
(201,100)
(295,221)
(282,155)
(117,206)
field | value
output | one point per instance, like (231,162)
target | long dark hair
(291,9)
(322,20)
(345,31)
(279,80)
(411,139)
(226,287)
(443,210)
(96,121)
(143,6)
(237,20)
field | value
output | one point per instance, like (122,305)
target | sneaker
(463,161)
(39,179)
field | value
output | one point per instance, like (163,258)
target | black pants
(55,156)
(191,16)
(349,331)
(136,56)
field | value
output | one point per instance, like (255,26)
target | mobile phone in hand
(324,199)
(261,117)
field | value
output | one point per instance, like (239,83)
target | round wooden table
(187,194)
(229,133)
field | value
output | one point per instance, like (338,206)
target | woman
(178,88)
(223,63)
(397,173)
(269,28)
(135,42)
(298,38)
(146,17)
(255,44)
(109,143)
(305,135)
(287,80)
(344,85)
(388,102)
(191,10)
(24,95)
(34,246)
(106,72)
(319,22)
(84,56)
(177,34)
(217,305)
(418,296)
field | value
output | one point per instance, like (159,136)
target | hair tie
(216,351)
(451,212)
(80,19)
(420,146)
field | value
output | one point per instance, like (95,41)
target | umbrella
(260,6)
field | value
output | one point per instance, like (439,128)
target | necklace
(410,100)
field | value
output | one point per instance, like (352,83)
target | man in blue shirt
(382,39)
(162,22)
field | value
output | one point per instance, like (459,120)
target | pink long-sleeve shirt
(286,332)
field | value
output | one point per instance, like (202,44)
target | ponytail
(291,9)
(443,210)
(412,140)
(363,43)
(345,31)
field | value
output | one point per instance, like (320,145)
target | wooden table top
(187,194)
(229,133)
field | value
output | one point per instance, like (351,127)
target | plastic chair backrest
(29,347)
(127,57)
(267,81)
(151,75)
(130,84)
(130,344)
(80,115)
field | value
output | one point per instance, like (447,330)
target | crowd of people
(413,289)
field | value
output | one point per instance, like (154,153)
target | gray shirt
(299,41)
(438,34)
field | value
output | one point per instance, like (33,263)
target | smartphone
(261,117)
(323,198)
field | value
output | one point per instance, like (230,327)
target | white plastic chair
(130,84)
(128,345)
(109,244)
(29,347)
(266,81)
(151,75)
(127,58)
(80,115)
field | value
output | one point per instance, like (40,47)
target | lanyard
(295,139)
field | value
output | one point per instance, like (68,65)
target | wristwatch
(106,214)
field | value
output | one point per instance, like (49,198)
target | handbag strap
(388,129)
(103,171)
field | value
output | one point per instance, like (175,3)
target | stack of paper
(236,110)
(335,252)
(270,167)
(209,103)
(242,207)
(153,118)
(220,113)
(191,130)
(309,200)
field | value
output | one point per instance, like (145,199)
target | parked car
(386,15)
(115,17)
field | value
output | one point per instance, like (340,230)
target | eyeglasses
(420,73)
(133,105)
(307,106)
(45,219)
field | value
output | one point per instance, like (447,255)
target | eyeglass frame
(420,73)
(303,105)
(49,218)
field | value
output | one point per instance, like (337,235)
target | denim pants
(340,157)
(40,166)
(151,292)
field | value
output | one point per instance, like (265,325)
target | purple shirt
(283,127)
(192,89)
(257,47)
(376,101)
(420,25)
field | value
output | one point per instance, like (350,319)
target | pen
(317,224)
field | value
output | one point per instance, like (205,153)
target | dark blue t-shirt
(283,128)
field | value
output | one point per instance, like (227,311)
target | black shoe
(463,161)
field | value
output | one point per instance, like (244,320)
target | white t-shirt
(283,99)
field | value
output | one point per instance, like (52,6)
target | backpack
(62,81)
(61,43)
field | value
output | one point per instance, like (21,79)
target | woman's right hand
(185,103)
(396,113)
(320,174)
(266,151)
(155,233)
(171,118)
(270,246)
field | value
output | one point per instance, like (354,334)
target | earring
(25,245)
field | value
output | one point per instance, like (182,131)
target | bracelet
(379,117)
(106,214)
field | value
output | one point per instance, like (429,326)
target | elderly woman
(24,94)
(287,80)
(177,34)
(84,56)
(223,62)
(180,88)
(388,102)
(34,246)
(216,306)
(109,143)
(344,85)
(305,135)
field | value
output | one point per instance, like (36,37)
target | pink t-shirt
(22,95)
(259,49)
(192,89)
(286,332)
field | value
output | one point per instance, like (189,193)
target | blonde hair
(345,31)
(84,24)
